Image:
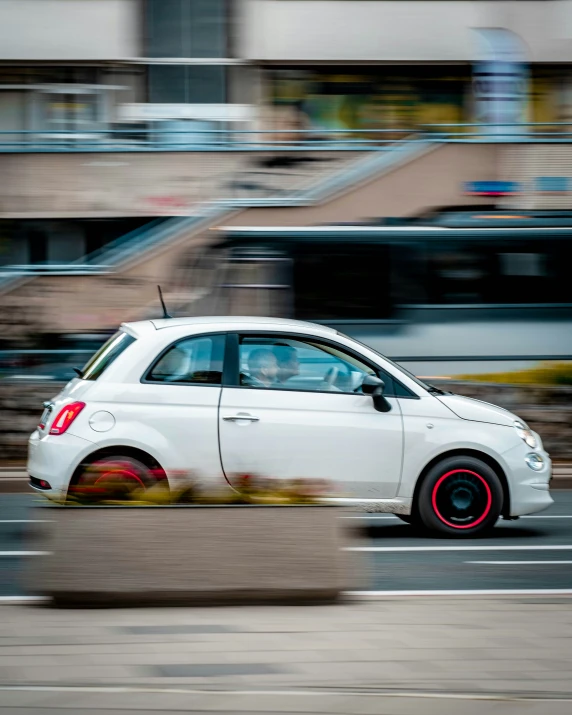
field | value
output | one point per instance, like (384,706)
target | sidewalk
(394,657)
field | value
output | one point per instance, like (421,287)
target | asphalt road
(533,553)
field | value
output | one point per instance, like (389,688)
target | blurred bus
(450,292)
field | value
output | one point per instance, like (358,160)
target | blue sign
(492,188)
(552,184)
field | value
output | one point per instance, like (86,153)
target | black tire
(407,518)
(113,477)
(461,497)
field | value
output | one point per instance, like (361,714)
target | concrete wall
(133,184)
(70,29)
(419,30)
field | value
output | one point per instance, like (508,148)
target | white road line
(518,563)
(555,547)
(464,592)
(344,691)
(371,516)
(18,600)
(25,521)
(393,516)
(25,553)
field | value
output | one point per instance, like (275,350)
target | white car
(288,399)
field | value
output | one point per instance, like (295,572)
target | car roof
(227,322)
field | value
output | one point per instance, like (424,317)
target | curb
(349,597)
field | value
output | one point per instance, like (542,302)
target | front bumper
(529,490)
(53,458)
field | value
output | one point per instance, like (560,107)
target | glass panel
(107,354)
(337,281)
(206,84)
(195,361)
(208,28)
(167,84)
(285,363)
(165,28)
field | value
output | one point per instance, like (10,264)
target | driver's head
(288,363)
(263,365)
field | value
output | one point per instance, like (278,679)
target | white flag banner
(500,81)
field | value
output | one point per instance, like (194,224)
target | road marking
(520,563)
(547,516)
(555,547)
(25,521)
(464,592)
(372,516)
(25,553)
(343,691)
(17,600)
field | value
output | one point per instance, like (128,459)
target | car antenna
(165,314)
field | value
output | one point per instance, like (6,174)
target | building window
(187,84)
(186,28)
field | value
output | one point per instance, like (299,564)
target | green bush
(543,374)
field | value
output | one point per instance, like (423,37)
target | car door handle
(241,416)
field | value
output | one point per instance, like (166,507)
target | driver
(288,362)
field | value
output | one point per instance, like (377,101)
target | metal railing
(170,140)
(278,139)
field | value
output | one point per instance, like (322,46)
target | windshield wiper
(437,390)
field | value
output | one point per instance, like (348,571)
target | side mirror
(374,386)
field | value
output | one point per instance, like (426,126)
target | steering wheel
(330,378)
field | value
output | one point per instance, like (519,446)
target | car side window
(192,361)
(285,363)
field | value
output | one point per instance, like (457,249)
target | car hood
(468,408)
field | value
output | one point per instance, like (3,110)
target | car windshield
(400,368)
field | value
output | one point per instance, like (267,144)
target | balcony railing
(149,139)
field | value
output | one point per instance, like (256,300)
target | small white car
(288,399)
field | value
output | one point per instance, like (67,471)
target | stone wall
(548,410)
(20,412)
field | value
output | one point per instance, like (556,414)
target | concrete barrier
(155,555)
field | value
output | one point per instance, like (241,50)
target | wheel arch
(463,452)
(147,459)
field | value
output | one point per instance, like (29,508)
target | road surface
(531,554)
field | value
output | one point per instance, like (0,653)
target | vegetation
(544,374)
(246,489)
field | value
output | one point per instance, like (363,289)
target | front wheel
(460,497)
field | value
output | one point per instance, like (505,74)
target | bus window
(339,281)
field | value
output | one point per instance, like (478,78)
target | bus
(449,292)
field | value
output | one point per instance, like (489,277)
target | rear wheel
(114,477)
(460,497)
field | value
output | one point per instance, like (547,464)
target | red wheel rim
(120,474)
(488,499)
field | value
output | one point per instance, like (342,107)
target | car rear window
(106,355)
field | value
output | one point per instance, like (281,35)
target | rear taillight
(66,416)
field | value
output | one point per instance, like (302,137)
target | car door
(294,409)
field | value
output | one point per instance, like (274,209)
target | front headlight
(525,434)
